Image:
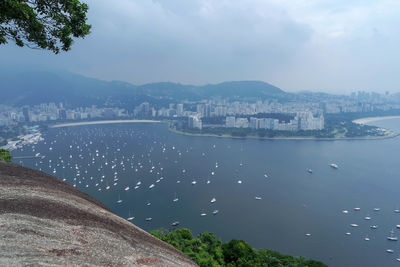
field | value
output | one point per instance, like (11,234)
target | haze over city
(330,46)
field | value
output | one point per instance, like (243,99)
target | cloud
(295,44)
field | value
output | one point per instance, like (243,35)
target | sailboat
(119,199)
(175,199)
(391,237)
(130,218)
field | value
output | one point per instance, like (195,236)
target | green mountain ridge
(34,87)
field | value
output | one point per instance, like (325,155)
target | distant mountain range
(34,87)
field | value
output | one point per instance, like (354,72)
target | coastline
(299,138)
(372,119)
(29,138)
(101,122)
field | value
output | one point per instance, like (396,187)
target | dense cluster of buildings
(51,112)
(307,114)
(302,121)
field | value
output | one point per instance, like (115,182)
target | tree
(5,155)
(43,24)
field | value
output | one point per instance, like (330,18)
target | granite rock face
(45,221)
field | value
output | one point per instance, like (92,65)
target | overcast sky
(319,45)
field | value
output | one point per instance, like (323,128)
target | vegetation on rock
(5,155)
(207,250)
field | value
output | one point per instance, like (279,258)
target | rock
(45,221)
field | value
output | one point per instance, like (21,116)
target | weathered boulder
(45,221)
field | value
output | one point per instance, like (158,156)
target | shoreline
(367,120)
(372,119)
(101,122)
(299,138)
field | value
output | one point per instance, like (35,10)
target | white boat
(391,237)
(398,226)
(215,212)
(213,200)
(208,181)
(357,209)
(175,198)
(149,219)
(151,186)
(348,233)
(257,198)
(127,188)
(377,209)
(308,234)
(176,223)
(334,166)
(366,238)
(239,182)
(345,211)
(374,226)
(389,250)
(194,182)
(130,218)
(203,214)
(138,183)
(309,170)
(353,225)
(367,218)
(119,200)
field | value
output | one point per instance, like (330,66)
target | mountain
(242,89)
(34,87)
(49,222)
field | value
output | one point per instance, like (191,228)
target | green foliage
(207,250)
(5,155)
(43,24)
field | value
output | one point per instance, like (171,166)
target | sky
(335,46)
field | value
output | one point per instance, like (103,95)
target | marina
(157,179)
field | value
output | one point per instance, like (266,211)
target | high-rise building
(230,122)
(25,111)
(62,114)
(254,123)
(207,110)
(195,122)
(179,110)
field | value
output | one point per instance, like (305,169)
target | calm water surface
(293,202)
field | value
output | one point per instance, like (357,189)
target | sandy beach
(101,122)
(372,119)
